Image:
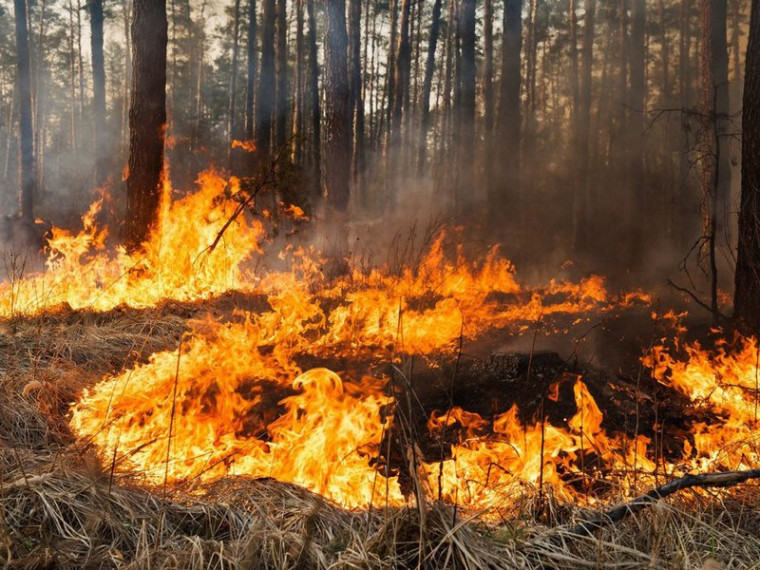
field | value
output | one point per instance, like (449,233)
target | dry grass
(60,509)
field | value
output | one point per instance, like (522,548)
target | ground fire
(315,388)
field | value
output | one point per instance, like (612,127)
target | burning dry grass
(60,508)
(54,515)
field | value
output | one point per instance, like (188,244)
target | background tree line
(600,130)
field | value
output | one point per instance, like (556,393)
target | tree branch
(638,504)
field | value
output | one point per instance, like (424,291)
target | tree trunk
(582,127)
(265,99)
(467,102)
(337,117)
(488,103)
(316,111)
(718,17)
(100,129)
(72,81)
(402,73)
(531,62)
(709,153)
(298,129)
(427,84)
(509,119)
(147,120)
(747,292)
(251,79)
(355,85)
(283,95)
(124,139)
(232,91)
(639,199)
(26,134)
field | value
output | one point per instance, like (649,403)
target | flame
(233,400)
(175,264)
(724,380)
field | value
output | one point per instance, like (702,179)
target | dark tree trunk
(718,36)
(337,117)
(250,118)
(714,62)
(265,99)
(509,119)
(232,91)
(427,83)
(283,96)
(488,113)
(402,72)
(468,74)
(147,119)
(355,83)
(98,91)
(26,135)
(747,293)
(299,91)
(639,199)
(316,111)
(582,127)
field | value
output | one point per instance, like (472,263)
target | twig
(617,514)
(696,299)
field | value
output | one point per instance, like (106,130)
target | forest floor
(60,507)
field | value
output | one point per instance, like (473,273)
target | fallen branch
(638,504)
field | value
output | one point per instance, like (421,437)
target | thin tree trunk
(583,119)
(283,95)
(81,59)
(488,99)
(355,86)
(250,119)
(98,91)
(747,291)
(316,112)
(127,76)
(402,73)
(265,98)
(298,103)
(26,134)
(634,147)
(232,91)
(467,101)
(72,81)
(708,153)
(427,84)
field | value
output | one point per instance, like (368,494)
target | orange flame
(233,400)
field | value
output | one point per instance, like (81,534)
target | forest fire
(254,394)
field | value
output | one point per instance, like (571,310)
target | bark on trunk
(98,91)
(747,293)
(316,112)
(147,119)
(251,79)
(26,135)
(265,99)
(427,84)
(355,80)
(337,117)
(283,96)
